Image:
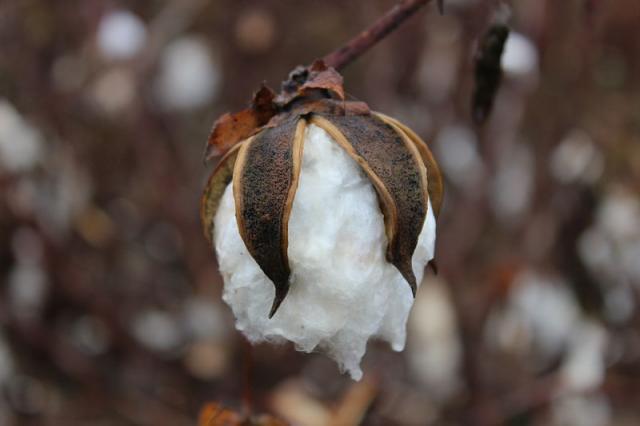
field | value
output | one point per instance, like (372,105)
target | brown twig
(247,396)
(344,55)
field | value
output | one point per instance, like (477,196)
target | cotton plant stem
(247,394)
(346,54)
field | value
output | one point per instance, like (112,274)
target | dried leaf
(262,103)
(265,180)
(304,80)
(488,71)
(324,77)
(230,129)
(214,414)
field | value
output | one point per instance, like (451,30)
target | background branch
(346,54)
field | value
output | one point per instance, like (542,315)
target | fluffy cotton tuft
(343,290)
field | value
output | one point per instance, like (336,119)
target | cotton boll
(586,409)
(520,57)
(114,91)
(434,350)
(577,159)
(189,76)
(457,146)
(121,35)
(157,330)
(585,365)
(20,143)
(343,290)
(513,183)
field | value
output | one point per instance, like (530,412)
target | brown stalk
(344,55)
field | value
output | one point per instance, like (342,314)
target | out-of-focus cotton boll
(513,184)
(611,249)
(548,308)
(612,245)
(459,157)
(620,302)
(157,330)
(619,215)
(584,368)
(189,77)
(121,35)
(583,410)
(203,319)
(114,91)
(541,314)
(64,195)
(20,143)
(520,58)
(343,291)
(595,249)
(27,283)
(577,159)
(433,346)
(27,286)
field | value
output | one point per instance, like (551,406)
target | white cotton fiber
(343,290)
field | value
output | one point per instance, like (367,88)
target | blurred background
(110,308)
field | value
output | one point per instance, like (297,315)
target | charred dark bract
(264,146)
(488,71)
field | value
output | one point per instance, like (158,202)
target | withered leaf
(213,191)
(488,71)
(303,80)
(214,414)
(394,167)
(434,177)
(262,102)
(324,77)
(230,129)
(265,180)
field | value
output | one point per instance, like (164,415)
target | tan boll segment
(265,179)
(214,189)
(397,172)
(436,184)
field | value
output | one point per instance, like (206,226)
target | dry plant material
(356,402)
(264,145)
(213,414)
(488,71)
